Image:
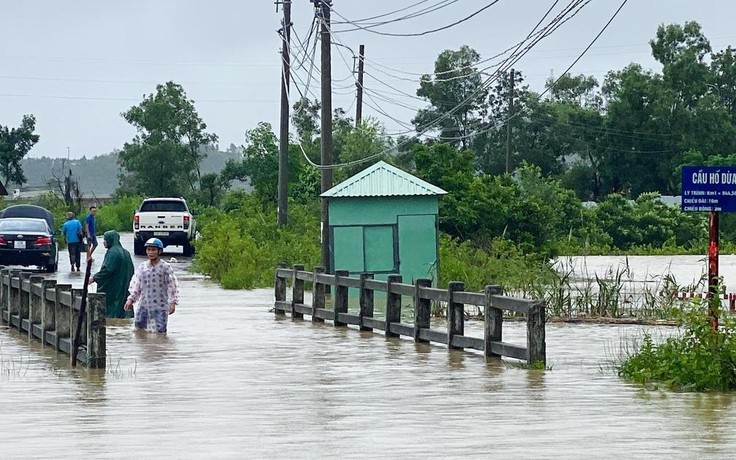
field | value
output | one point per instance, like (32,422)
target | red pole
(713,268)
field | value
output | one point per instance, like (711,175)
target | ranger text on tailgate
(167,219)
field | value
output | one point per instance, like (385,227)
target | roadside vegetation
(697,358)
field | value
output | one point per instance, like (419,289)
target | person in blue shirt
(73,232)
(90,229)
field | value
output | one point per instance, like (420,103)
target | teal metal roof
(382,179)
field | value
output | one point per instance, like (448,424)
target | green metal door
(347,244)
(418,247)
(379,249)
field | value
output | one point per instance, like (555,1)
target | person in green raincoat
(114,275)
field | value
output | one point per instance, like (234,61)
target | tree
(164,157)
(579,90)
(363,141)
(64,182)
(456,94)
(15,143)
(212,187)
(535,138)
(260,164)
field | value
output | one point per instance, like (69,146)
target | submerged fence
(49,312)
(490,301)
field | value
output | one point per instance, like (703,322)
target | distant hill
(99,175)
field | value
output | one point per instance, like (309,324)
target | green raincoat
(114,276)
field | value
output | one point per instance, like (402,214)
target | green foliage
(648,223)
(56,206)
(15,143)
(498,263)
(164,158)
(117,215)
(366,139)
(449,92)
(698,359)
(240,247)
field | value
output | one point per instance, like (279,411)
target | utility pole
(508,122)
(326,123)
(283,191)
(359,85)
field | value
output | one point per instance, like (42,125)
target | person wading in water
(155,285)
(114,276)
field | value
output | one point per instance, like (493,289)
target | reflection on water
(230,381)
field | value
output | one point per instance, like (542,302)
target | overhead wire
(580,56)
(370,157)
(370,25)
(511,60)
(419,34)
(562,17)
(392,12)
(573,4)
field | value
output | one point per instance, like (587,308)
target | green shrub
(698,359)
(240,248)
(499,262)
(117,215)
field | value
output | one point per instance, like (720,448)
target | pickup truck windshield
(163,206)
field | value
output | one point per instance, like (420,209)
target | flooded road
(231,381)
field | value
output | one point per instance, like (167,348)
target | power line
(547,30)
(426,32)
(391,12)
(586,48)
(431,9)
(476,133)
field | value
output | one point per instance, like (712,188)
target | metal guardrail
(49,312)
(491,301)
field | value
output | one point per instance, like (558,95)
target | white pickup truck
(167,219)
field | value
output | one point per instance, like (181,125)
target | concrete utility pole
(283,192)
(359,85)
(326,123)
(508,122)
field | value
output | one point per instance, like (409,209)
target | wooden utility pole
(326,124)
(508,122)
(283,192)
(359,85)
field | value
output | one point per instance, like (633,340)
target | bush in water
(240,248)
(697,359)
(498,262)
(117,215)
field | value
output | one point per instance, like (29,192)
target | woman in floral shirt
(155,285)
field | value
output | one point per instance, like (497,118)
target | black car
(29,210)
(28,241)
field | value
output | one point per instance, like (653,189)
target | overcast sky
(76,65)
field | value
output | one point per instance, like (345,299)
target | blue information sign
(706,188)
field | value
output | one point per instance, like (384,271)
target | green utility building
(383,221)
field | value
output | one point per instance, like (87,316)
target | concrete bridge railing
(49,312)
(492,303)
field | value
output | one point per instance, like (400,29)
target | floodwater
(685,270)
(232,381)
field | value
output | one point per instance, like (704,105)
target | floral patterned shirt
(155,286)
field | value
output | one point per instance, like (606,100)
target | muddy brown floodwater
(231,381)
